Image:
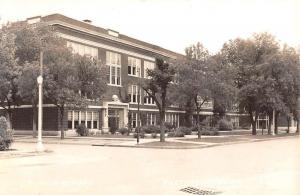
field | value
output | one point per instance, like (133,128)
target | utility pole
(40,147)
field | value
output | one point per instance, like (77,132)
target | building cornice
(104,46)
(109,37)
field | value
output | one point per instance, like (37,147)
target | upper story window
(147,99)
(83,49)
(113,60)
(148,66)
(133,94)
(134,66)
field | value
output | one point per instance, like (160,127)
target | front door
(113,120)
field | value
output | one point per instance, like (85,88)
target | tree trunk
(188,114)
(162,116)
(288,122)
(298,126)
(276,123)
(34,117)
(9,119)
(253,122)
(198,123)
(253,127)
(162,126)
(270,122)
(62,132)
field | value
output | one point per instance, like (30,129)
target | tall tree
(74,80)
(30,41)
(28,89)
(247,56)
(10,70)
(157,87)
(192,86)
(222,86)
(281,84)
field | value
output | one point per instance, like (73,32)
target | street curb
(192,147)
(25,154)
(165,147)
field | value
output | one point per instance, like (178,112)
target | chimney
(87,21)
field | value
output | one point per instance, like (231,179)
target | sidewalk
(187,142)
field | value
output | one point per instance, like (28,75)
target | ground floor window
(150,119)
(235,121)
(88,118)
(172,118)
(134,119)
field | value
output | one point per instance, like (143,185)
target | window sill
(134,76)
(114,85)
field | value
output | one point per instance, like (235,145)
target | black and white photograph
(149,97)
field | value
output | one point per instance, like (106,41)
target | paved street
(268,167)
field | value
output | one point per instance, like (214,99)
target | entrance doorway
(113,119)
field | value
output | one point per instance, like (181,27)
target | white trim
(108,37)
(156,110)
(95,106)
(47,105)
(100,45)
(29,106)
(114,85)
(236,114)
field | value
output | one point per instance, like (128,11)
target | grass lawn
(168,144)
(234,138)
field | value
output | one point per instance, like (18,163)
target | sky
(173,24)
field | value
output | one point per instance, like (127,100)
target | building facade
(127,60)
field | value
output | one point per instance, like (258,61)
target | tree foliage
(157,87)
(10,71)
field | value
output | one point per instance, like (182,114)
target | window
(70,120)
(133,94)
(133,120)
(172,118)
(83,49)
(76,119)
(82,118)
(90,119)
(134,66)
(151,119)
(147,99)
(113,60)
(148,66)
(95,120)
(134,117)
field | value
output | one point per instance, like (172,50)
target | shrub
(123,130)
(169,126)
(176,133)
(185,130)
(82,130)
(194,128)
(6,137)
(113,126)
(142,135)
(210,132)
(154,135)
(224,125)
(151,129)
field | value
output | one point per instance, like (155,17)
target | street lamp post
(273,124)
(138,111)
(40,147)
